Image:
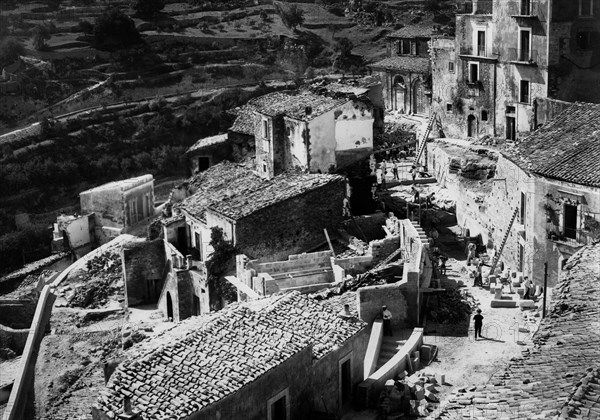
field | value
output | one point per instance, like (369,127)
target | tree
(292,16)
(10,50)
(341,58)
(114,30)
(217,265)
(41,33)
(147,8)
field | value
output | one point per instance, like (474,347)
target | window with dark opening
(584,40)
(484,115)
(473,72)
(451,66)
(524,92)
(448,107)
(586,7)
(570,221)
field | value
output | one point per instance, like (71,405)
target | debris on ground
(101,280)
(455,306)
(351,284)
(410,396)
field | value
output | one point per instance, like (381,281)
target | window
(451,66)
(413,47)
(264,167)
(525,7)
(524,45)
(265,129)
(484,115)
(570,221)
(586,7)
(510,109)
(524,92)
(473,75)
(481,43)
(448,107)
(278,407)
(584,40)
(404,46)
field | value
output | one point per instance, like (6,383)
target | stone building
(284,357)
(406,72)
(207,152)
(509,56)
(552,179)
(295,207)
(311,131)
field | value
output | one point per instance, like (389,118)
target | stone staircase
(422,235)
(389,347)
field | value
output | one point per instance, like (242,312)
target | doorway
(471,126)
(279,409)
(153,289)
(570,227)
(196,305)
(511,128)
(203,163)
(169,307)
(345,381)
(182,239)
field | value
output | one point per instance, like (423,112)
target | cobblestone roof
(413,31)
(281,188)
(218,183)
(294,104)
(560,376)
(406,64)
(204,359)
(244,121)
(566,148)
(207,142)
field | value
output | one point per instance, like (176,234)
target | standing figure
(478,320)
(471,252)
(395,170)
(413,171)
(380,178)
(346,210)
(387,321)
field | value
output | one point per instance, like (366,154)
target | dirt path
(466,361)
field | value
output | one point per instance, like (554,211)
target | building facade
(406,72)
(506,57)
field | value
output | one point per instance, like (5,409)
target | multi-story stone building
(508,58)
(406,72)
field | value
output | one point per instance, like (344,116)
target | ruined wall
(264,146)
(13,339)
(293,226)
(353,132)
(372,298)
(215,154)
(293,374)
(242,146)
(444,85)
(17,314)
(322,142)
(143,268)
(327,374)
(296,133)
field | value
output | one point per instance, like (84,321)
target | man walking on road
(478,319)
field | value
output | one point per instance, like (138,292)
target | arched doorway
(471,126)
(169,306)
(399,93)
(419,100)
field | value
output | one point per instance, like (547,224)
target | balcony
(474,53)
(477,7)
(523,56)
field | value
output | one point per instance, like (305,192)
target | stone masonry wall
(143,262)
(293,226)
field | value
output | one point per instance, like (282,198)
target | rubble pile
(410,396)
(454,306)
(102,279)
(352,284)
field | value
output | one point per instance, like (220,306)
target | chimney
(308,110)
(189,261)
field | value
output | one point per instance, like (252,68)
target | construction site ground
(506,332)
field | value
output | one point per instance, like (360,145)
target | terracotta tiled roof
(294,104)
(413,31)
(244,121)
(276,190)
(219,182)
(559,378)
(404,63)
(566,148)
(207,142)
(204,359)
